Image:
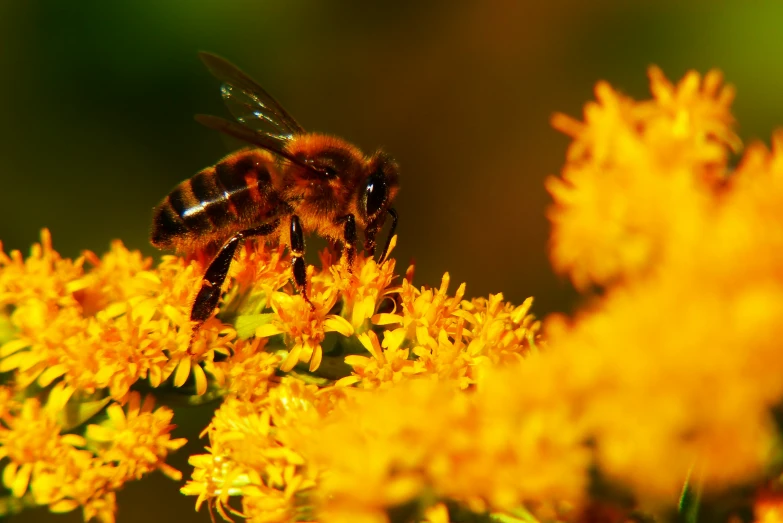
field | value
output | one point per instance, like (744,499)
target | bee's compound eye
(375,194)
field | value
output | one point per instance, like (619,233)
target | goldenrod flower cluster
(681,358)
(389,402)
(80,337)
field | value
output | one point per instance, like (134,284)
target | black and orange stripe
(217,202)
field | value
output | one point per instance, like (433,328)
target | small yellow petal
(51,374)
(392,340)
(348,380)
(402,489)
(338,324)
(73,440)
(267,330)
(201,379)
(9,474)
(59,396)
(13,361)
(182,373)
(21,480)
(170,471)
(63,506)
(292,359)
(423,336)
(99,433)
(315,361)
(12,346)
(370,342)
(386,319)
(117,416)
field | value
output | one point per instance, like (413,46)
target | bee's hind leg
(212,282)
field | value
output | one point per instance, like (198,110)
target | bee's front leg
(393,227)
(372,230)
(299,267)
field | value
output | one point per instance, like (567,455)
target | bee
(288,183)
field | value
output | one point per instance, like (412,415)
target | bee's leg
(385,251)
(209,294)
(297,244)
(349,239)
(372,230)
(212,283)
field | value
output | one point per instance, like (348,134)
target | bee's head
(379,188)
(375,195)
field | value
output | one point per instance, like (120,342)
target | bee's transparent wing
(251,136)
(250,104)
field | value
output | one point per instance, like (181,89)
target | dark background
(96,105)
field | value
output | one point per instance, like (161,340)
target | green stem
(688,507)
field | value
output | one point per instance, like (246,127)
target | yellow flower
(676,368)
(387,365)
(425,312)
(8,403)
(768,507)
(472,336)
(51,466)
(700,108)
(247,373)
(82,481)
(487,449)
(626,160)
(304,328)
(447,359)
(30,439)
(137,441)
(253,453)
(106,328)
(672,372)
(43,276)
(437,514)
(497,330)
(256,274)
(364,289)
(117,276)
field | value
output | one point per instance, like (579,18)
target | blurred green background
(97,98)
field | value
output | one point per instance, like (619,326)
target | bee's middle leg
(349,239)
(299,267)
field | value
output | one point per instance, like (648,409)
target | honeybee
(289,183)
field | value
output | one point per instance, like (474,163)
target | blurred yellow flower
(678,365)
(768,507)
(629,162)
(488,449)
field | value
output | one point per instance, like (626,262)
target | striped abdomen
(236,194)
